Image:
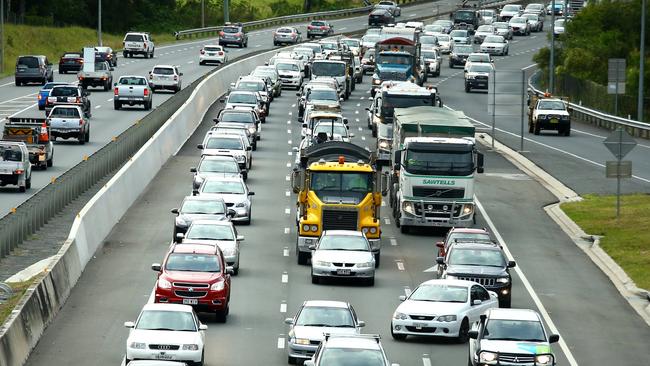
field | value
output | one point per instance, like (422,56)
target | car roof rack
(376,337)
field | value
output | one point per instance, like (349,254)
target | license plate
(210,54)
(6,171)
(162,356)
(41,158)
(418,325)
(554,120)
(343,271)
(190,302)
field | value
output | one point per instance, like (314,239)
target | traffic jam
(421,168)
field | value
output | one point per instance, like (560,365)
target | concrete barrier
(42,301)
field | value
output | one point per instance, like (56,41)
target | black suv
(233,33)
(459,55)
(33,69)
(482,262)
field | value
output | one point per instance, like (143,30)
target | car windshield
(237,117)
(350,42)
(251,85)
(480,68)
(440,293)
(511,8)
(343,242)
(477,257)
(327,128)
(478,58)
(284,30)
(485,28)
(225,187)
(341,187)
(59,112)
(192,262)
(317,23)
(224,143)
(210,232)
(428,39)
(551,104)
(328,68)
(203,207)
(514,330)
(212,49)
(287,67)
(132,81)
(464,15)
(394,59)
(329,46)
(321,316)
(518,20)
(163,71)
(101,66)
(243,98)
(463,49)
(460,237)
(351,356)
(64,92)
(103,49)
(458,33)
(322,95)
(218,166)
(486,13)
(559,23)
(442,22)
(494,39)
(166,320)
(428,54)
(72,55)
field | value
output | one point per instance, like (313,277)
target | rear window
(64,92)
(133,38)
(132,81)
(10,153)
(30,62)
(100,66)
(71,55)
(65,112)
(284,30)
(318,24)
(163,71)
(212,49)
(231,29)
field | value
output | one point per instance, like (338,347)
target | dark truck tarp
(331,150)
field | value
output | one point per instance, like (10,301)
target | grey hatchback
(33,68)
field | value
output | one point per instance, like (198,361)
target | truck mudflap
(437,214)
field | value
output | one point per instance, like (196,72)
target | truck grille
(485,281)
(338,219)
(192,294)
(515,358)
(438,192)
(397,76)
(193,285)
(437,210)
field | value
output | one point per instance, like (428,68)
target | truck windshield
(464,15)
(341,187)
(384,59)
(390,102)
(453,163)
(328,69)
(322,95)
(515,330)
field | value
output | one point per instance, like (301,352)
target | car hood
(229,197)
(430,308)
(528,348)
(316,333)
(164,337)
(456,270)
(188,218)
(193,277)
(346,256)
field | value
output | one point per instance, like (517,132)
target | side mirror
(232,85)
(473,334)
(199,146)
(174,211)
(156,267)
(304,125)
(129,324)
(288,321)
(192,170)
(402,297)
(114,84)
(512,264)
(215,120)
(440,260)
(181,74)
(553,338)
(180,237)
(476,302)
(361,324)
(231,213)
(312,247)
(479,163)
(230,270)
(345,121)
(249,148)
(240,238)
(195,192)
(308,363)
(440,244)
(266,63)
(203,327)
(222,100)
(298,94)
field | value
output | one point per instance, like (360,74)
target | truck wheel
(21,189)
(28,182)
(49,162)
(404,229)
(536,129)
(567,132)
(87,137)
(107,86)
(302,257)
(117,105)
(467,88)
(377,260)
(82,139)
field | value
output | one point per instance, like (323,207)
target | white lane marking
(426,361)
(288,122)
(190,62)
(289,130)
(285,252)
(287,230)
(363,138)
(281,342)
(356,119)
(383,203)
(550,147)
(152,296)
(287,178)
(24,109)
(110,100)
(289,142)
(291,113)
(288,165)
(412,15)
(386,221)
(393,242)
(360,128)
(356,112)
(293,105)
(400,265)
(285,277)
(289,153)
(287,211)
(343,28)
(432,269)
(358,104)
(287,193)
(259,45)
(98,106)
(528,286)
(283,308)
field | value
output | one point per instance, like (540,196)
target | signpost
(616,79)
(619,143)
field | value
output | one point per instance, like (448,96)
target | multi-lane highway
(552,275)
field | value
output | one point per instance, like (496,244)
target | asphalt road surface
(597,325)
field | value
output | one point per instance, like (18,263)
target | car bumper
(167,355)
(458,61)
(335,272)
(135,51)
(210,303)
(223,41)
(439,216)
(29,77)
(285,40)
(162,84)
(131,100)
(70,67)
(218,59)
(300,350)
(290,82)
(425,328)
(243,214)
(493,51)
(66,132)
(477,84)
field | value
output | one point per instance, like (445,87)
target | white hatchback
(212,54)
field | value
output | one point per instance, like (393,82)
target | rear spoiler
(26,120)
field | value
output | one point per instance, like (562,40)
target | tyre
(49,162)
(125,54)
(200,363)
(463,332)
(467,88)
(291,360)
(536,129)
(567,131)
(87,137)
(107,86)
(44,81)
(222,315)
(82,139)
(117,105)
(397,337)
(19,83)
(505,302)
(315,280)
(451,66)
(302,257)
(152,53)
(377,260)
(404,229)
(370,281)
(60,71)
(28,182)
(22,189)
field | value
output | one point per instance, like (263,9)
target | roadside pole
(551,68)
(641,63)
(226,11)
(2,36)
(99,22)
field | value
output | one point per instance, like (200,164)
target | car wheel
(82,139)
(467,88)
(50,162)
(28,182)
(404,229)
(377,260)
(60,71)
(505,302)
(397,337)
(463,332)
(302,257)
(370,281)
(19,83)
(567,131)
(222,315)
(117,105)
(22,189)
(314,279)
(291,360)
(536,129)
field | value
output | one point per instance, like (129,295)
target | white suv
(165,77)
(138,43)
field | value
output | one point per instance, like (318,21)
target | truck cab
(398,58)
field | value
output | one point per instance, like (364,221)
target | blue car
(45,91)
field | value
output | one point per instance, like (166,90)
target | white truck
(15,168)
(138,43)
(132,90)
(67,121)
(101,76)
(433,161)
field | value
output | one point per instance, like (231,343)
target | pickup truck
(35,133)
(132,90)
(102,76)
(138,43)
(69,95)
(67,121)
(548,113)
(15,168)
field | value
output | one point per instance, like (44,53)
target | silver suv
(362,349)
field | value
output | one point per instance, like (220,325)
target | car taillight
(40,97)
(115,91)
(202,52)
(81,77)
(221,33)
(175,77)
(145,44)
(323,27)
(220,53)
(81,122)
(146,92)
(78,100)
(19,171)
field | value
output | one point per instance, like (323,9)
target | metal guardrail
(286,19)
(597,118)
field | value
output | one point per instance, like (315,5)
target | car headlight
(544,360)
(384,144)
(366,265)
(303,341)
(468,209)
(229,251)
(470,77)
(180,221)
(487,357)
(240,158)
(218,286)
(408,207)
(503,279)
(322,264)
(164,284)
(399,316)
(190,347)
(251,130)
(137,345)
(447,318)
(241,204)
(541,116)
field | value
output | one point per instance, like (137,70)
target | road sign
(615,87)
(618,169)
(619,143)
(616,69)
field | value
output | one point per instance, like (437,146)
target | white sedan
(212,54)
(495,45)
(342,254)
(169,332)
(442,308)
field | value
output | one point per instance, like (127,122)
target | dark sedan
(71,61)
(106,54)
(380,17)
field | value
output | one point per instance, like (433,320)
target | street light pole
(2,35)
(226,11)
(202,13)
(551,69)
(99,21)
(641,64)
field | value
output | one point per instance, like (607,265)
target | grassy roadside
(626,240)
(19,289)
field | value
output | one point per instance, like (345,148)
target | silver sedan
(342,254)
(234,192)
(220,233)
